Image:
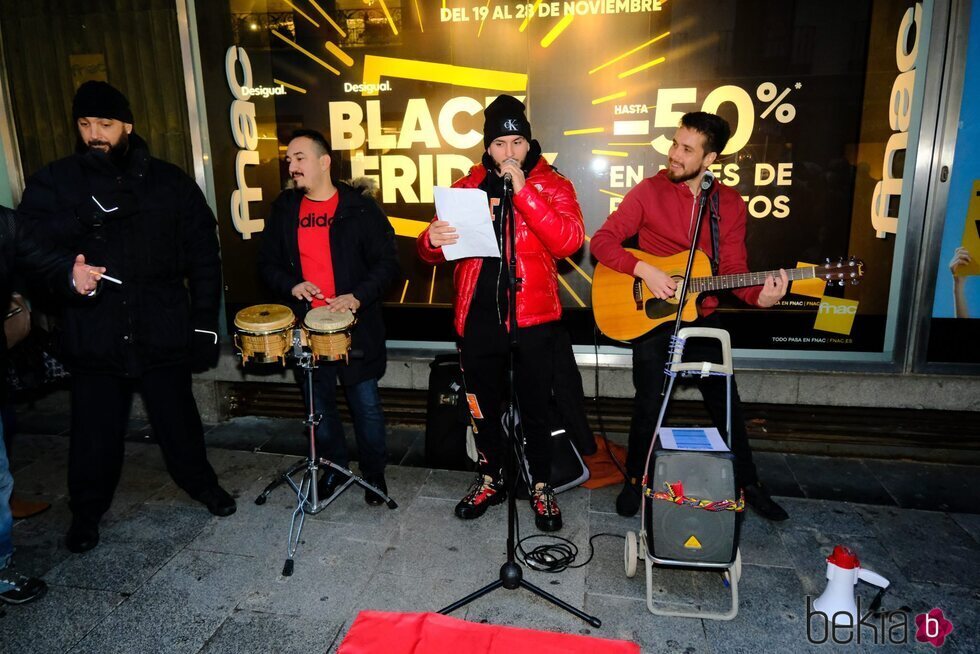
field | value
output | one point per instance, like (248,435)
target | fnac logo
(932,627)
(836,315)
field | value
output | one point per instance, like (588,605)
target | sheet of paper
(701,439)
(468,210)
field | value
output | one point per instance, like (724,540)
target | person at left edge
(331,245)
(19,251)
(147,222)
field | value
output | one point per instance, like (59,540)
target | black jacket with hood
(148,223)
(365,263)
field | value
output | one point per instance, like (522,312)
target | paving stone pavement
(169,577)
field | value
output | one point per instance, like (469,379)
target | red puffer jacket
(549,227)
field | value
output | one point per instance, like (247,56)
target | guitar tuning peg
(840,283)
(854,282)
(826,260)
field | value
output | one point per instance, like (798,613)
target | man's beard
(683,177)
(117,153)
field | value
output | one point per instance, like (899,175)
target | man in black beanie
(548,226)
(147,222)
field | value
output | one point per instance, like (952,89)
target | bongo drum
(264,333)
(328,333)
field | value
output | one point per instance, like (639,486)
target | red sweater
(662,212)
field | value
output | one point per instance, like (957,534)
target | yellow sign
(836,315)
(809,287)
(692,543)
(971,233)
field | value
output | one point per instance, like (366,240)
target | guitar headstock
(841,271)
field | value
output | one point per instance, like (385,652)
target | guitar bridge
(638,293)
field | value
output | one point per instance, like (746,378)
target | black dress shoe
(219,502)
(378,481)
(82,536)
(328,483)
(628,500)
(761,502)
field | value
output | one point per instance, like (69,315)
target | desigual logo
(510,125)
(264,91)
(311,220)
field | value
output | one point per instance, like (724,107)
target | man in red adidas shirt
(328,244)
(661,210)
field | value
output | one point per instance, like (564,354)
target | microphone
(707,180)
(508,178)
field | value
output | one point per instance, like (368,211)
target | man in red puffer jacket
(548,226)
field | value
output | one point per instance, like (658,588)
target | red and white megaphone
(843,572)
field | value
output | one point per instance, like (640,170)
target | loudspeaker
(688,534)
(446,416)
(568,470)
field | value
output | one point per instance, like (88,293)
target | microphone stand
(707,181)
(511,575)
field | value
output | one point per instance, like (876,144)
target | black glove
(205,343)
(100,208)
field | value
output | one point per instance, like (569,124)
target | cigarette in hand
(107,277)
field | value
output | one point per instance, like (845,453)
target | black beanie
(505,116)
(100,100)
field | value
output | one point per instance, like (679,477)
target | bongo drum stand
(307,497)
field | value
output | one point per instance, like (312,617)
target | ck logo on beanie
(511,125)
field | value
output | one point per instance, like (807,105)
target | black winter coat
(147,222)
(365,263)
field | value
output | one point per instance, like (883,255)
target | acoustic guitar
(626,309)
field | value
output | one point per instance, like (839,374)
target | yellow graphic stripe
(549,38)
(570,291)
(301,13)
(407,226)
(626,54)
(649,64)
(418,12)
(629,143)
(428,71)
(527,19)
(335,50)
(611,153)
(391,22)
(432,284)
(288,85)
(404,291)
(584,130)
(483,20)
(607,98)
(612,193)
(330,20)
(579,270)
(308,53)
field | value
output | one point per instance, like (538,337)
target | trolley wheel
(736,568)
(260,500)
(630,554)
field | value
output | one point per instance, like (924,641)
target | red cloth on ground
(374,632)
(602,471)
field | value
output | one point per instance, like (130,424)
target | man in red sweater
(661,210)
(548,226)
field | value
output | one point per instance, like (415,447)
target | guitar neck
(738,280)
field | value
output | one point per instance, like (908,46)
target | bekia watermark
(932,627)
(877,627)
